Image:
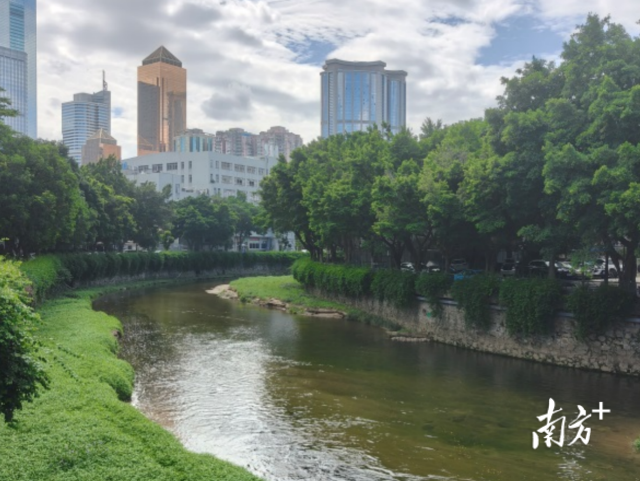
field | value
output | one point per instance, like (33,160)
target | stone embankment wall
(617,350)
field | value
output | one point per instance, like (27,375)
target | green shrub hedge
(335,279)
(530,304)
(433,286)
(473,295)
(54,271)
(396,287)
(595,310)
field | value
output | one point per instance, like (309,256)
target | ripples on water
(310,399)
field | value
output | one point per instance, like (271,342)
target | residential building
(278,140)
(83,117)
(237,141)
(357,95)
(18,63)
(162,102)
(99,146)
(194,140)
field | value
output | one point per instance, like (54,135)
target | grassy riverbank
(80,429)
(290,291)
(283,288)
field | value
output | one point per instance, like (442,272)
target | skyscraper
(18,63)
(83,116)
(162,102)
(356,95)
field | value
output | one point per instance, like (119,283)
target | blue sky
(256,63)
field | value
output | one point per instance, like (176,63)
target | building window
(143,168)
(172,166)
(211,178)
(226,179)
(182,179)
(226,166)
(182,165)
(156,168)
(252,183)
(190,178)
(239,181)
(260,171)
(239,168)
(189,165)
(251,170)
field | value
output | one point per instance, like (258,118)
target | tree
(5,106)
(247,217)
(40,200)
(151,213)
(21,372)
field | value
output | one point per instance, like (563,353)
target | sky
(255,64)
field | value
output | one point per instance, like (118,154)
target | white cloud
(248,43)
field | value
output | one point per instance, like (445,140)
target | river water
(300,398)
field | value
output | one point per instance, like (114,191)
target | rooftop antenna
(104,81)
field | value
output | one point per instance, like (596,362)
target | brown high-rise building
(100,146)
(162,102)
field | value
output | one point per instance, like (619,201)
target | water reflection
(295,398)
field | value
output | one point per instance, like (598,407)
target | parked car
(540,268)
(466,274)
(407,267)
(509,268)
(458,265)
(431,266)
(599,269)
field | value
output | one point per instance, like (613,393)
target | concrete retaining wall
(618,350)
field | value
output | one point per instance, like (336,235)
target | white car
(458,265)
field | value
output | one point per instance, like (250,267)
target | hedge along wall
(524,323)
(51,272)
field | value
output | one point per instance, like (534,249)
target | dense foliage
(433,286)
(597,310)
(555,167)
(21,369)
(531,304)
(474,296)
(48,204)
(52,272)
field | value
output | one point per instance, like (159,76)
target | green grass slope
(80,429)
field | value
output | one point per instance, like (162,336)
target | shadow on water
(296,398)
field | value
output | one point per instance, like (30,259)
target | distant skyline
(254,64)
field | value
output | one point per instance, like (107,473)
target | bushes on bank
(335,279)
(396,287)
(595,310)
(54,271)
(21,370)
(473,295)
(433,286)
(531,304)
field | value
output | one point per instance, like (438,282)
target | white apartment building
(206,173)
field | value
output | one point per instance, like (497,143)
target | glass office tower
(18,62)
(162,102)
(82,117)
(356,95)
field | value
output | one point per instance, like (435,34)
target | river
(301,398)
